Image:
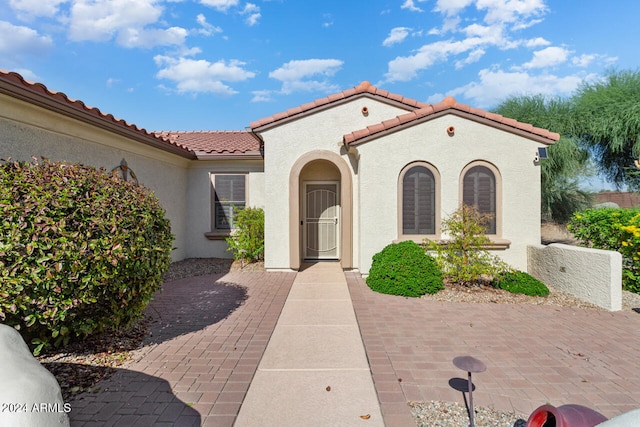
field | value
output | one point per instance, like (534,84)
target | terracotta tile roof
(216,142)
(15,85)
(363,88)
(450,105)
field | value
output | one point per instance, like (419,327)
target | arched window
(418,200)
(479,191)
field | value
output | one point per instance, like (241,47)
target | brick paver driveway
(534,354)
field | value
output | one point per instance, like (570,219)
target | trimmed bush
(519,282)
(404,269)
(247,241)
(81,251)
(612,229)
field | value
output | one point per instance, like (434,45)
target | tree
(607,120)
(568,161)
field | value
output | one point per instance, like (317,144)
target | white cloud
(548,57)
(307,75)
(220,5)
(474,56)
(18,41)
(125,20)
(517,12)
(207,29)
(131,37)
(410,5)
(254,14)
(407,67)
(537,42)
(494,86)
(451,7)
(201,76)
(262,96)
(396,35)
(32,8)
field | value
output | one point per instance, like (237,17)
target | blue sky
(220,64)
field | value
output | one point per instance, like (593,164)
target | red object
(565,416)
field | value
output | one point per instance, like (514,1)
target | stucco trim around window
(417,237)
(497,177)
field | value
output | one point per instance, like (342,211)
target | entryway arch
(322,171)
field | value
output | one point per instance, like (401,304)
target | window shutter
(479,191)
(230,194)
(418,201)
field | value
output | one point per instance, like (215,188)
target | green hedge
(81,251)
(612,229)
(519,282)
(404,269)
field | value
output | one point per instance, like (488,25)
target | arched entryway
(320,206)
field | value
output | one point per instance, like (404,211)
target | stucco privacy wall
(594,275)
(288,142)
(28,130)
(200,198)
(383,158)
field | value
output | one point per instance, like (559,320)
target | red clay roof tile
(449,103)
(217,142)
(20,84)
(364,87)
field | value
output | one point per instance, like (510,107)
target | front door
(321,220)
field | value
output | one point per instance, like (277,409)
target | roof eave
(483,120)
(249,155)
(51,104)
(329,105)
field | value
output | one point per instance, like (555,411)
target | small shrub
(81,251)
(462,258)
(247,241)
(519,282)
(404,269)
(612,229)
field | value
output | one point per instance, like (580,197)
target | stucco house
(339,178)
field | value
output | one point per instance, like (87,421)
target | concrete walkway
(314,371)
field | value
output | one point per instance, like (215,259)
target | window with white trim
(418,198)
(230,196)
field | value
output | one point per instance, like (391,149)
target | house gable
(363,90)
(450,106)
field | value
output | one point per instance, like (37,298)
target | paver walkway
(315,370)
(208,338)
(534,354)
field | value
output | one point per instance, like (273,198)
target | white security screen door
(321,222)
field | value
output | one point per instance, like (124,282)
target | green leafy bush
(247,241)
(81,251)
(519,282)
(404,269)
(612,229)
(463,258)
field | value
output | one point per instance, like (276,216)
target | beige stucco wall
(285,144)
(382,159)
(594,275)
(200,199)
(27,130)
